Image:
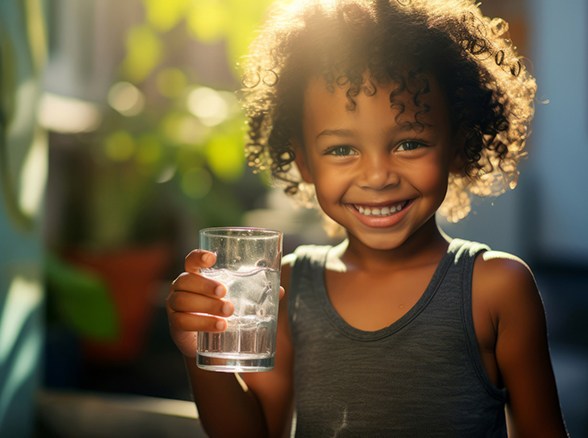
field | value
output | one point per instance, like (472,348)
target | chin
(381,242)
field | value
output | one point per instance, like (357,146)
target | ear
(301,161)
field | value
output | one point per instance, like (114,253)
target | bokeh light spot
(149,149)
(208,105)
(119,146)
(196,182)
(184,129)
(207,20)
(225,157)
(126,98)
(171,82)
(164,15)
(144,51)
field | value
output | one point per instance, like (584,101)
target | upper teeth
(383,211)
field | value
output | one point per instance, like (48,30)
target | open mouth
(384,210)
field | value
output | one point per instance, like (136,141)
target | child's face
(377,174)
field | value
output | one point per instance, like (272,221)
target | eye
(410,145)
(340,150)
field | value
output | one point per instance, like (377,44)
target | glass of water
(248,263)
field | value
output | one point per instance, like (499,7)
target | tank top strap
(465,249)
(307,270)
(427,362)
(315,255)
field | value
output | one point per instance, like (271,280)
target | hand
(195,303)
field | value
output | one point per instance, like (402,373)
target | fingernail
(207,257)
(227,308)
(220,291)
(220,325)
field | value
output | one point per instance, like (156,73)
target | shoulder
(504,288)
(497,268)
(495,272)
(506,284)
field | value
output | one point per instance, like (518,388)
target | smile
(387,210)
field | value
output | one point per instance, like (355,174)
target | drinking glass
(248,264)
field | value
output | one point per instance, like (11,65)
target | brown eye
(340,151)
(409,145)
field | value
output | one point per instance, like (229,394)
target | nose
(378,172)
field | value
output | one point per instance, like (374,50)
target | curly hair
(490,93)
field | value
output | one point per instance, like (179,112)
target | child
(385,112)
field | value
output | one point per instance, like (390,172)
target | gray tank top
(422,376)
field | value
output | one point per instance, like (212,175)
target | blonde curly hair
(490,92)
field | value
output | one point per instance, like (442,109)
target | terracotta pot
(133,276)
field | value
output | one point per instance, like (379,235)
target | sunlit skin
(376,172)
(381,176)
(382,179)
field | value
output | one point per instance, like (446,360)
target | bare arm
(226,406)
(274,388)
(522,352)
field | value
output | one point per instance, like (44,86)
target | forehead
(416,99)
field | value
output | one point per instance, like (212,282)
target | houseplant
(168,151)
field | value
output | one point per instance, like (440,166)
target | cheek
(325,186)
(434,176)
(330,185)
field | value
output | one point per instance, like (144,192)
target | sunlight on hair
(333,33)
(295,6)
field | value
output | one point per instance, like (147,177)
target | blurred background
(120,137)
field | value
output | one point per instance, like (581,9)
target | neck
(422,248)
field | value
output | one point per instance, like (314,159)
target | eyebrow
(414,127)
(337,132)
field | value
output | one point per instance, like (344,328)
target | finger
(282,292)
(195,283)
(199,258)
(180,301)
